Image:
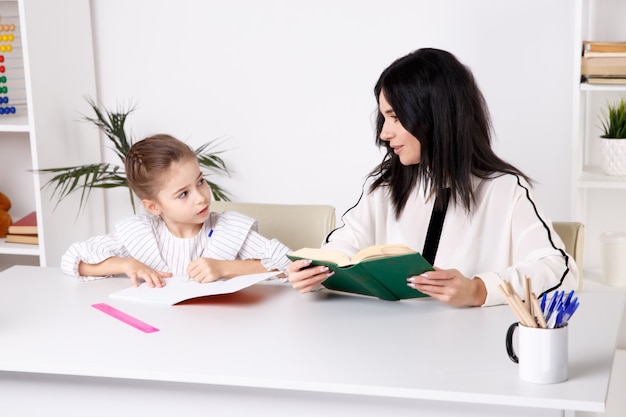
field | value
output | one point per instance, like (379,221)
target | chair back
(295,225)
(573,235)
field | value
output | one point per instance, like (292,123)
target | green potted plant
(613,134)
(84,178)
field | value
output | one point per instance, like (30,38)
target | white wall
(288,84)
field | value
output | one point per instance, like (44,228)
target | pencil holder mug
(542,354)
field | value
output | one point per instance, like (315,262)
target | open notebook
(180,288)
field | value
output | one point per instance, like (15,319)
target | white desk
(268,350)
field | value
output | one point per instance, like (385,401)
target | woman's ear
(151,206)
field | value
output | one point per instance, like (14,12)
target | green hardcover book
(378,271)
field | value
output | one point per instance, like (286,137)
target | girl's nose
(200,198)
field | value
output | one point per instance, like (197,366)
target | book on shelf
(379,271)
(27,225)
(600,66)
(606,80)
(22,238)
(595,54)
(594,46)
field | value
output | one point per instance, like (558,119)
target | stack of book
(24,230)
(604,62)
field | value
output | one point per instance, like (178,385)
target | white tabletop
(269,336)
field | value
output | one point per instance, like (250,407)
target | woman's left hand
(451,287)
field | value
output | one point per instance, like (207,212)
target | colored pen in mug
(566,313)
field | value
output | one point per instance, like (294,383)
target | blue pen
(565,315)
(543,303)
(569,298)
(560,315)
(559,319)
(559,301)
(553,302)
(558,311)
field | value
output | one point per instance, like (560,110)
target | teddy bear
(5,217)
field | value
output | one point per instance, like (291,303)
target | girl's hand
(206,270)
(133,268)
(209,270)
(306,279)
(137,270)
(451,287)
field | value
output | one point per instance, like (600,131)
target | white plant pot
(613,156)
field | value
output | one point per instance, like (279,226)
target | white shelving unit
(49,71)
(599,200)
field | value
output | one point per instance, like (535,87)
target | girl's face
(184,199)
(404,144)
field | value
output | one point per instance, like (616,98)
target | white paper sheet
(180,288)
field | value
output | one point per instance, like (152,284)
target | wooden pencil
(538,313)
(518,310)
(526,282)
(529,319)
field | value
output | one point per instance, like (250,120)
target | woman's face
(404,145)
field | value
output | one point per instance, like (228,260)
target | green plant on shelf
(104,175)
(614,120)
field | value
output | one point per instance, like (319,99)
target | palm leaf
(112,125)
(84,178)
(218,192)
(211,161)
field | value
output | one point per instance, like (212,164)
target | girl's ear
(151,206)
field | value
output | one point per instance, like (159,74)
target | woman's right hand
(305,279)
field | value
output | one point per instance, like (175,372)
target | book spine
(604,46)
(615,66)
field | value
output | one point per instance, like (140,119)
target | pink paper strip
(120,315)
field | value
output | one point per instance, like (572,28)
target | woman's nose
(385,134)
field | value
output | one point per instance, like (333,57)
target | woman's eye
(391,117)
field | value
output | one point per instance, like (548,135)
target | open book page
(179,288)
(341,259)
(381,251)
(329,255)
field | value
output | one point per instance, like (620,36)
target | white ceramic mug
(542,354)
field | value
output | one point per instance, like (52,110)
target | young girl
(180,235)
(434,125)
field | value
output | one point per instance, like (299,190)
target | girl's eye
(183,194)
(201,181)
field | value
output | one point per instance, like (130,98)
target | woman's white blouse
(147,239)
(506,237)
